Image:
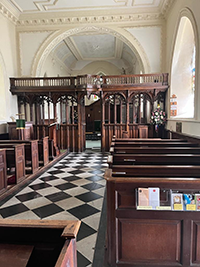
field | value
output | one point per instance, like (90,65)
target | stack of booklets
(149,199)
(187,202)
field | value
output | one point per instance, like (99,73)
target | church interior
(99,133)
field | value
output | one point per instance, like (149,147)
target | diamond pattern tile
(72,189)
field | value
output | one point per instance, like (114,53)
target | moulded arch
(55,38)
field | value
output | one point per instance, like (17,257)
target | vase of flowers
(158,118)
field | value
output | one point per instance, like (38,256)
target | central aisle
(72,189)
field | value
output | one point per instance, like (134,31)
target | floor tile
(94,178)
(10,202)
(76,191)
(86,246)
(47,210)
(65,186)
(49,178)
(55,172)
(39,186)
(82,261)
(84,231)
(83,211)
(69,203)
(93,220)
(89,196)
(92,186)
(28,196)
(36,203)
(57,196)
(12,210)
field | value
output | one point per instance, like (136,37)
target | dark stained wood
(31,151)
(3,170)
(123,88)
(15,255)
(150,238)
(155,150)
(38,243)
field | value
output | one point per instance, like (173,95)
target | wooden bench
(43,147)
(31,151)
(125,140)
(153,144)
(3,170)
(31,243)
(154,150)
(151,237)
(15,158)
(148,159)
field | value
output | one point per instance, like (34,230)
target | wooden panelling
(196,242)
(149,241)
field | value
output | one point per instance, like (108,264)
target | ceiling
(80,50)
(37,6)
(77,51)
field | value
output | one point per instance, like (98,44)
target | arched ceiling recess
(81,46)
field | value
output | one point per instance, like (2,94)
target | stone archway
(57,37)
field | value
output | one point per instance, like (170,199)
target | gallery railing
(87,82)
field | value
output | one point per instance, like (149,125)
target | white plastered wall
(8,68)
(189,8)
(150,40)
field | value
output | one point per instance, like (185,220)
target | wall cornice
(6,12)
(80,20)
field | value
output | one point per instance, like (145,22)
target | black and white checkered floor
(72,189)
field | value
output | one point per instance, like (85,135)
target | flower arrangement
(158,117)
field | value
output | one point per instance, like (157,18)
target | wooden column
(54,111)
(67,124)
(25,113)
(139,112)
(61,125)
(79,122)
(115,116)
(127,115)
(103,144)
(49,112)
(31,111)
(145,108)
(73,128)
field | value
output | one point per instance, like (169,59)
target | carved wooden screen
(113,118)
(139,112)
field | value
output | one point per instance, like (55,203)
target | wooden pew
(31,151)
(156,170)
(152,238)
(31,243)
(15,158)
(3,170)
(155,150)
(43,147)
(154,159)
(125,140)
(154,144)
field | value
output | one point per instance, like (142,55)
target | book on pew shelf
(197,201)
(189,202)
(148,198)
(177,201)
(154,197)
(143,197)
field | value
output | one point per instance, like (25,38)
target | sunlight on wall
(183,69)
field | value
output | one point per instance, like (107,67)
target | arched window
(183,69)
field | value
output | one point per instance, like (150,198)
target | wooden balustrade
(90,81)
